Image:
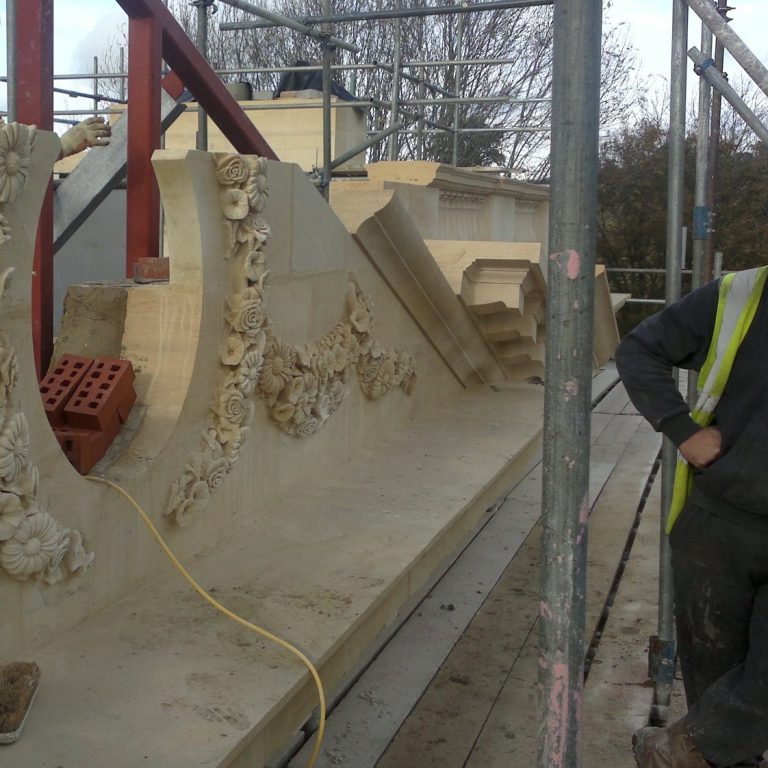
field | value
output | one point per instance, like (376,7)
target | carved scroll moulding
(32,542)
(300,385)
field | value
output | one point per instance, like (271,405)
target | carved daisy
(249,371)
(35,543)
(277,371)
(16,142)
(14,444)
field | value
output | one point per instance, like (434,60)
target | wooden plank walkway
(479,708)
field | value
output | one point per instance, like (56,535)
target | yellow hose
(200,591)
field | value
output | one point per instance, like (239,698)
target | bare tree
(509,131)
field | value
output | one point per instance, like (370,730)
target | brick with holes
(60,383)
(105,396)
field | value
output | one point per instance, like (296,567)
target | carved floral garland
(300,385)
(32,543)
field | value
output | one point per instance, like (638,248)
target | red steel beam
(195,72)
(34,106)
(143,198)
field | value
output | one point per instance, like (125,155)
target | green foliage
(632,200)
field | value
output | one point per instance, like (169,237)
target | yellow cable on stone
(219,607)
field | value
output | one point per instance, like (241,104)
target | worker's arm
(678,336)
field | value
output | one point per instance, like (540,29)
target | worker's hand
(701,449)
(93,132)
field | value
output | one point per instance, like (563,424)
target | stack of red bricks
(87,400)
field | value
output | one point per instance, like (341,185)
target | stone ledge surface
(160,680)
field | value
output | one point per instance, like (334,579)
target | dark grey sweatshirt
(680,336)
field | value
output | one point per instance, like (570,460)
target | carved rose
(247,312)
(214,471)
(16,142)
(308,427)
(14,444)
(232,171)
(232,405)
(234,204)
(35,543)
(11,514)
(232,349)
(252,228)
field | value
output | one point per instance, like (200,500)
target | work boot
(670,747)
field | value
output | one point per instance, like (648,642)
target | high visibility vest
(737,303)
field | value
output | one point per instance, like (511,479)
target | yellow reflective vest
(737,303)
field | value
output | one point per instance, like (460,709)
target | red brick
(105,395)
(152,270)
(60,383)
(84,447)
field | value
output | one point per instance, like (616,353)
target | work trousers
(720,560)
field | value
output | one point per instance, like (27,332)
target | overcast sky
(84,27)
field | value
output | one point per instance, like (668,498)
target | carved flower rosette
(32,543)
(301,386)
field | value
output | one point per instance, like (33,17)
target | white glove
(93,132)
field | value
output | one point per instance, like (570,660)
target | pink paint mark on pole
(544,610)
(583,519)
(574,265)
(557,720)
(570,389)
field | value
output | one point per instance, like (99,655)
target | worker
(719,539)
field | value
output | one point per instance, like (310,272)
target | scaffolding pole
(10,24)
(347,18)
(714,148)
(327,139)
(570,304)
(201,41)
(662,652)
(276,19)
(708,73)
(732,42)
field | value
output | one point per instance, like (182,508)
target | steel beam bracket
(661,660)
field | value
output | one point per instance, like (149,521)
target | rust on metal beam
(34,106)
(143,197)
(197,75)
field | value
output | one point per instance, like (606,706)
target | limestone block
(296,135)
(383,227)
(605,327)
(470,205)
(322,537)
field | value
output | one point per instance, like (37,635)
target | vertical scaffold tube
(664,665)
(201,42)
(565,491)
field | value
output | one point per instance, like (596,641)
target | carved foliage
(301,386)
(32,543)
